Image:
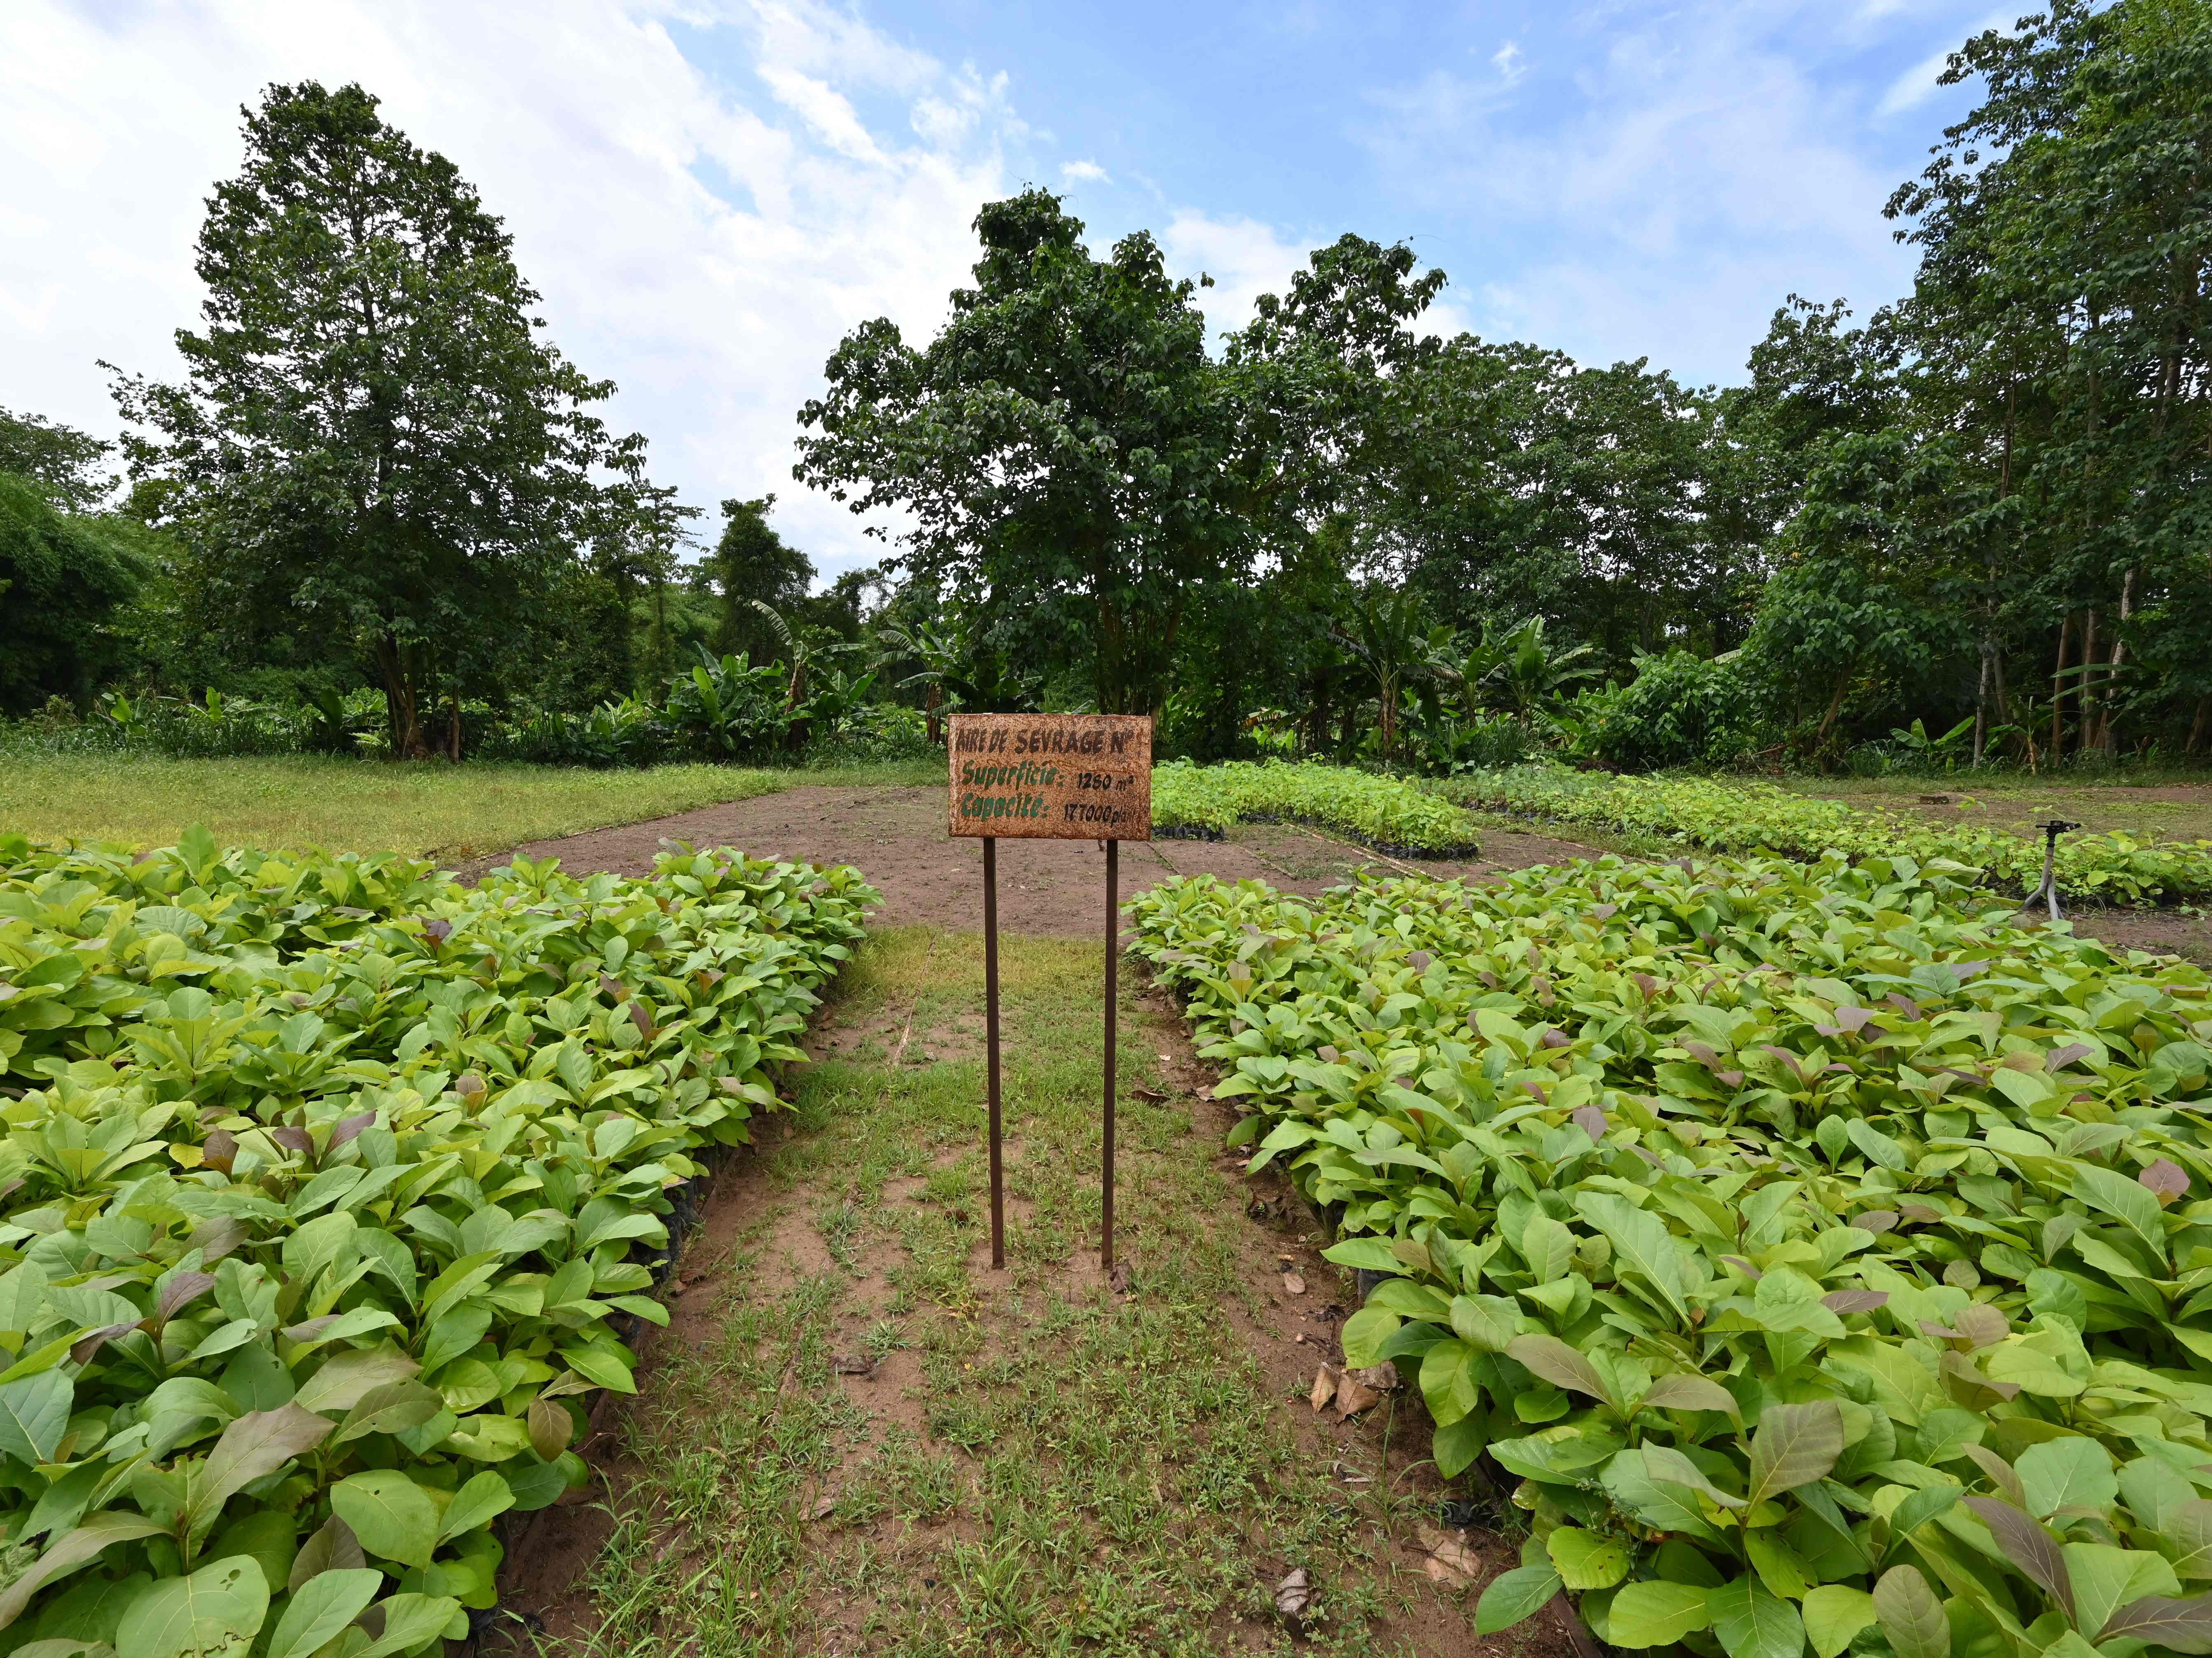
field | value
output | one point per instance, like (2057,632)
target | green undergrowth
(1732,816)
(1040,1464)
(1822,1261)
(1387,812)
(329,1186)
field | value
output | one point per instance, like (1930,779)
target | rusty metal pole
(1113,966)
(991,1043)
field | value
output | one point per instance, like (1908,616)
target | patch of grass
(1040,1464)
(2171,806)
(429,809)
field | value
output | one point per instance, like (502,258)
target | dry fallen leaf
(854,1364)
(1451,1562)
(824,1509)
(1293,1284)
(1383,1378)
(1294,1594)
(1153,1094)
(1118,1279)
(1324,1387)
(1353,1396)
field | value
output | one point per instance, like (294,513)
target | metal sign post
(1050,777)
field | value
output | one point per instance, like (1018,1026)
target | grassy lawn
(1041,1461)
(432,808)
(2171,807)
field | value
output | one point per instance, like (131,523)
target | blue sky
(709,192)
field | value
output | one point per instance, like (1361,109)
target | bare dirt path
(1049,889)
(1053,889)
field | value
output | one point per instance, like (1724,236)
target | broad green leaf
(597,1365)
(34,1413)
(1750,1622)
(2188,1527)
(1833,1613)
(1657,1614)
(67,1553)
(394,1518)
(320,1608)
(1585,1560)
(2105,1579)
(258,1443)
(1547,1246)
(1447,1380)
(216,1610)
(1794,1445)
(1514,1596)
(1911,1615)
(1365,1331)
(1365,1254)
(2131,1204)
(1641,1243)
(409,1620)
(343,1380)
(478,1503)
(391,1409)
(1684,1391)
(2069,1473)
(1549,1357)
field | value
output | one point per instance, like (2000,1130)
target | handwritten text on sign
(1066,776)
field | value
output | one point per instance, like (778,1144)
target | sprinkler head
(2057,827)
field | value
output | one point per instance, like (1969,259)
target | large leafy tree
(63,578)
(70,464)
(1061,448)
(749,561)
(373,447)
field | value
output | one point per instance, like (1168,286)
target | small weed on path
(856,1436)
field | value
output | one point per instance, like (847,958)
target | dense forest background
(1974,525)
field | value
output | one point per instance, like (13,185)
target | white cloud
(1510,62)
(1084,172)
(1245,258)
(1924,81)
(703,238)
(1695,173)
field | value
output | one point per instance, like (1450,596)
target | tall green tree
(373,447)
(65,577)
(1061,448)
(69,463)
(752,561)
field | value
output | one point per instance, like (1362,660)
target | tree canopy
(373,449)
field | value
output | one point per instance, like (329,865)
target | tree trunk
(453,729)
(2197,726)
(401,704)
(933,722)
(1835,707)
(2113,667)
(1982,704)
(2058,691)
(2085,700)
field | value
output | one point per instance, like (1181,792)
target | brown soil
(1055,889)
(1050,888)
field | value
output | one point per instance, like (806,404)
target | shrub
(1745,816)
(325,1184)
(1796,1239)
(1387,812)
(1681,709)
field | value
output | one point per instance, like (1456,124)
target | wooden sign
(1052,777)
